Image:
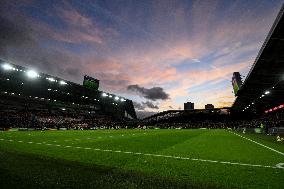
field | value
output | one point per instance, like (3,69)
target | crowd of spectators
(269,120)
(64,120)
(45,120)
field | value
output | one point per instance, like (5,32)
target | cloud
(154,93)
(149,104)
(138,106)
(144,105)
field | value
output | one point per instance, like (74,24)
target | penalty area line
(278,166)
(267,147)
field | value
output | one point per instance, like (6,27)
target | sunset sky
(159,54)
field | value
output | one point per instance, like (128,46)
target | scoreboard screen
(236,82)
(91,83)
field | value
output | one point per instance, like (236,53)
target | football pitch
(193,158)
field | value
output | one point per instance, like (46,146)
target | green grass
(45,165)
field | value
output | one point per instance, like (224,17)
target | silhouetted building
(209,106)
(188,106)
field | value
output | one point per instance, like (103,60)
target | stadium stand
(37,100)
(263,87)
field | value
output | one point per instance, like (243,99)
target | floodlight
(116,98)
(62,83)
(49,89)
(63,109)
(32,74)
(109,96)
(104,95)
(50,79)
(7,79)
(7,67)
(266,92)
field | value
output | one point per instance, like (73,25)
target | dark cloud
(138,106)
(149,104)
(141,106)
(154,93)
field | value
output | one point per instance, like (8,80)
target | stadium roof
(263,87)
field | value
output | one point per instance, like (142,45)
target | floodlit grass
(139,159)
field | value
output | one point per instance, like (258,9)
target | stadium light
(62,83)
(32,74)
(266,92)
(104,95)
(7,67)
(116,98)
(50,79)
(109,96)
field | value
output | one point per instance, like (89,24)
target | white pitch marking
(87,148)
(38,143)
(20,141)
(258,143)
(278,166)
(107,150)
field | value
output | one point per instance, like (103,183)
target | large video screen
(91,83)
(236,82)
